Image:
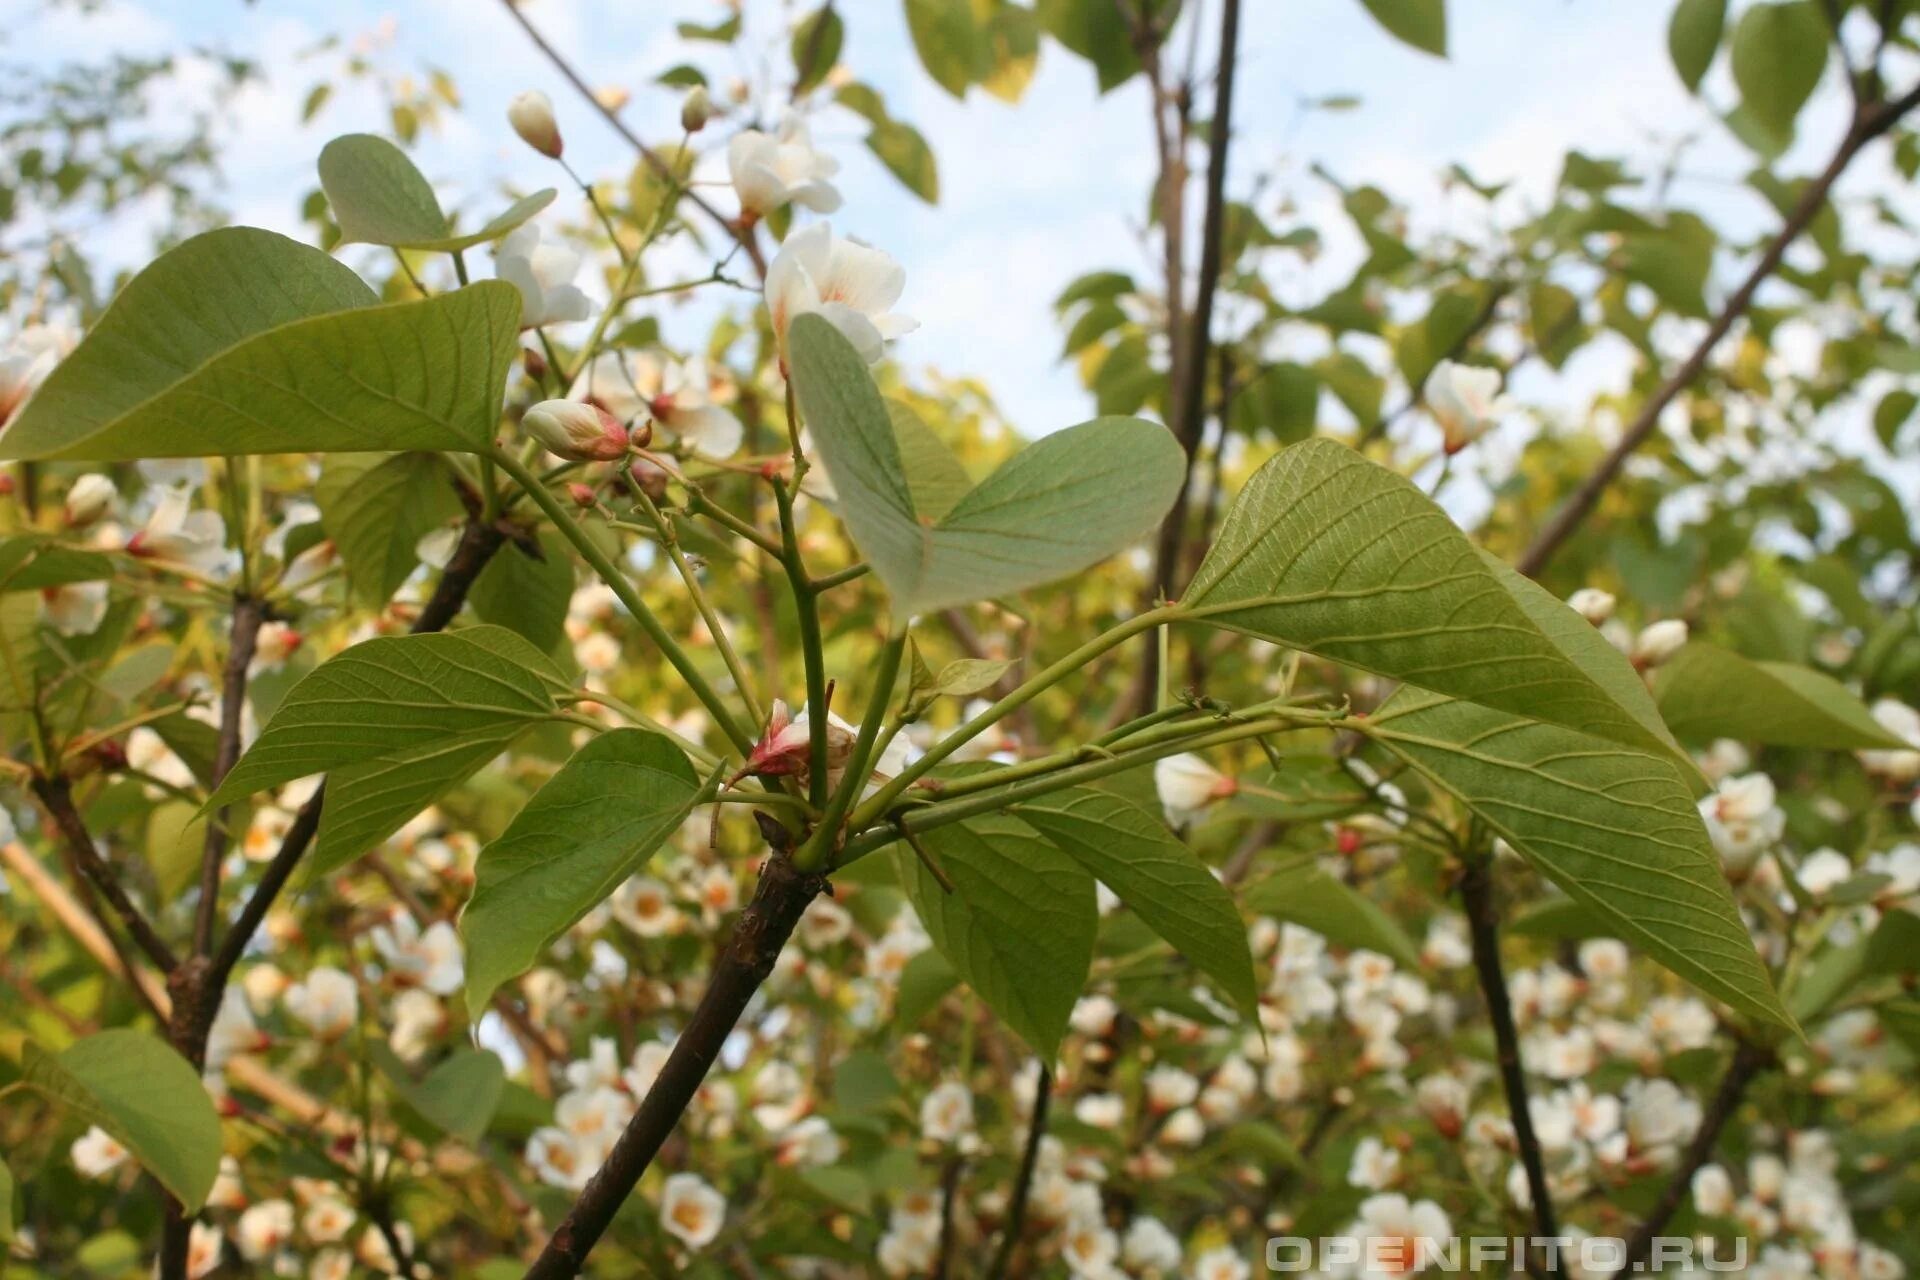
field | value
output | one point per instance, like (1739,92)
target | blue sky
(1033,194)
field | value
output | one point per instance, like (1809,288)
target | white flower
(946,1113)
(331,1264)
(1658,1116)
(262,1229)
(327,1002)
(1397,1236)
(531,115)
(1713,1191)
(418,1020)
(327,1219)
(203,1250)
(1443,1100)
(89,498)
(1743,819)
(577,432)
(1169,1088)
(27,361)
(1466,401)
(1100,1110)
(97,1153)
(644,905)
(1221,1263)
(676,395)
(1895,765)
(274,645)
(1187,784)
(75,608)
(544,275)
(768,172)
(691,1210)
(1446,946)
(1875,1263)
(1825,870)
(432,959)
(1376,1166)
(1089,1247)
(1658,642)
(177,532)
(851,285)
(555,1160)
(1591,603)
(1149,1246)
(810,1142)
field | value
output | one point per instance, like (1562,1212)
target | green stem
(865,815)
(700,505)
(670,540)
(623,590)
(808,610)
(914,821)
(818,851)
(841,578)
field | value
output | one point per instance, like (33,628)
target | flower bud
(1591,603)
(89,498)
(640,434)
(574,431)
(582,495)
(534,363)
(1658,642)
(531,115)
(696,110)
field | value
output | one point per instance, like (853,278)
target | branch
(1869,123)
(1476,893)
(1023,1183)
(248,614)
(735,232)
(56,796)
(1748,1061)
(743,963)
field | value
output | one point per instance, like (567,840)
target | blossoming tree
(499,786)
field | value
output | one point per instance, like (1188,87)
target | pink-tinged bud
(696,110)
(531,115)
(582,494)
(6,484)
(640,435)
(574,431)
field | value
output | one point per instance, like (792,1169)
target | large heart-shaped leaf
(379,197)
(1327,552)
(148,1097)
(394,723)
(1129,849)
(1613,826)
(593,824)
(1018,927)
(1708,692)
(1065,502)
(242,341)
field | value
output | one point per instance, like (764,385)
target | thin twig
(1023,1182)
(56,796)
(248,615)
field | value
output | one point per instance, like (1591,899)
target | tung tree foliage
(500,783)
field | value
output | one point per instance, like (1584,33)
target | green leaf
(1779,51)
(148,1097)
(923,983)
(1130,850)
(1065,502)
(1693,37)
(1420,23)
(1307,896)
(395,723)
(1615,828)
(1019,926)
(1094,31)
(593,824)
(1303,787)
(376,507)
(30,562)
(1707,692)
(242,341)
(1327,552)
(527,594)
(907,157)
(1284,400)
(8,1224)
(459,1096)
(379,197)
(935,476)
(943,35)
(816,46)
(1891,414)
